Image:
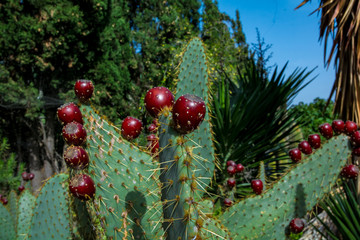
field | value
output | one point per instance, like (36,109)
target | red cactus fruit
(69,112)
(188,113)
(25,176)
(314,140)
(355,139)
(257,186)
(82,186)
(230,163)
(21,188)
(239,168)
(31,176)
(4,200)
(231,182)
(131,128)
(350,127)
(152,128)
(157,99)
(350,171)
(338,126)
(305,147)
(151,137)
(74,133)
(84,89)
(231,170)
(76,157)
(356,151)
(227,202)
(153,146)
(325,129)
(295,155)
(155,121)
(296,225)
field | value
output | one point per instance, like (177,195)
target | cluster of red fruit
(232,169)
(326,130)
(74,134)
(26,177)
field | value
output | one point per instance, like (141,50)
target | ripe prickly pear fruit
(131,128)
(21,188)
(230,163)
(76,157)
(356,151)
(227,202)
(4,200)
(69,112)
(325,129)
(82,186)
(231,170)
(151,137)
(74,133)
(355,139)
(239,168)
(314,140)
(297,225)
(31,176)
(153,146)
(152,128)
(338,126)
(84,89)
(257,186)
(188,113)
(350,127)
(25,176)
(157,99)
(350,171)
(231,182)
(305,147)
(295,155)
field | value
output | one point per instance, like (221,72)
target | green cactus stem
(6,224)
(25,210)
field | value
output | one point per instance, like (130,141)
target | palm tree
(340,22)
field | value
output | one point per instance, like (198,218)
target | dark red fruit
(82,187)
(350,127)
(131,128)
(231,182)
(350,171)
(74,133)
(325,129)
(356,151)
(21,188)
(76,157)
(4,200)
(155,121)
(157,99)
(84,89)
(188,113)
(153,146)
(338,126)
(355,139)
(297,225)
(151,137)
(152,128)
(31,176)
(69,112)
(227,202)
(231,170)
(314,140)
(305,147)
(239,168)
(25,176)
(295,155)
(257,186)
(230,163)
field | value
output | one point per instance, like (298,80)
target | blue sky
(294,36)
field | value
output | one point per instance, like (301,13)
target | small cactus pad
(7,231)
(25,210)
(193,79)
(13,205)
(267,216)
(51,218)
(127,190)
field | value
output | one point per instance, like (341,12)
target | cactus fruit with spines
(165,196)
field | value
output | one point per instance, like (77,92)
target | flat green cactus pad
(6,225)
(13,206)
(127,192)
(51,218)
(25,211)
(267,216)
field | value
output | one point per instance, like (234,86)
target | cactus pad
(25,211)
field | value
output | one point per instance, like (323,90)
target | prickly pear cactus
(6,224)
(25,211)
